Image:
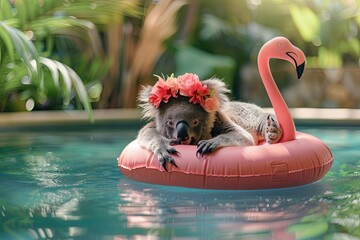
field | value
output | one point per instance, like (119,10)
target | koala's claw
(205,147)
(163,164)
(198,152)
(164,157)
(170,160)
(273,131)
(173,151)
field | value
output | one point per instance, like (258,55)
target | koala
(180,115)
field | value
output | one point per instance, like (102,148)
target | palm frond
(102,12)
(52,25)
(71,80)
(6,39)
(66,78)
(16,41)
(27,10)
(20,49)
(5,10)
(81,92)
(13,75)
(75,29)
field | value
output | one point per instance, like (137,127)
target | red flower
(187,85)
(163,90)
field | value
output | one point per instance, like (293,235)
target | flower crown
(187,85)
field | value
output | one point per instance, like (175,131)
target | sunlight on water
(60,185)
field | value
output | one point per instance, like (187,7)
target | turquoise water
(66,185)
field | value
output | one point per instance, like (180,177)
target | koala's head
(181,120)
(184,121)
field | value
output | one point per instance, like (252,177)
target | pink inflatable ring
(301,161)
(297,159)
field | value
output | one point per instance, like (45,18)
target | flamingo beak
(300,69)
(299,55)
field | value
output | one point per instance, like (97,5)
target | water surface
(66,185)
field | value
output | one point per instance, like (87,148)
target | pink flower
(187,85)
(190,86)
(210,104)
(159,93)
(173,85)
(163,90)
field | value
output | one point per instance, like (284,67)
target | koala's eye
(170,123)
(195,122)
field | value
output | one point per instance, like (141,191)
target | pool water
(66,185)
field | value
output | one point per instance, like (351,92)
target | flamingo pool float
(298,158)
(280,48)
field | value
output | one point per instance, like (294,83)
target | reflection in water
(60,198)
(169,212)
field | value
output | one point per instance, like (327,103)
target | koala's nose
(182,130)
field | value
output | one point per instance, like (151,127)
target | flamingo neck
(281,110)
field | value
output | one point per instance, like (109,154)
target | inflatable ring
(301,161)
(297,159)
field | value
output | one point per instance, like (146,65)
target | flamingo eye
(278,45)
(195,122)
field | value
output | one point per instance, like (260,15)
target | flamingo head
(282,48)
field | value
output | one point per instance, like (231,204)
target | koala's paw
(162,152)
(273,131)
(207,146)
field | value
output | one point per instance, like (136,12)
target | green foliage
(51,51)
(23,71)
(70,81)
(305,20)
(17,55)
(328,31)
(332,27)
(190,59)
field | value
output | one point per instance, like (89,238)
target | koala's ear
(220,89)
(148,110)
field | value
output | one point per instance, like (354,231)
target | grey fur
(235,123)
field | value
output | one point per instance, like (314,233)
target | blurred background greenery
(86,54)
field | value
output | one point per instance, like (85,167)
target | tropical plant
(23,74)
(40,40)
